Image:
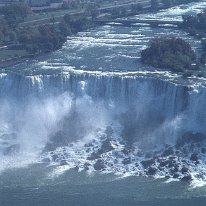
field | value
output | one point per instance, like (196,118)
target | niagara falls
(103,103)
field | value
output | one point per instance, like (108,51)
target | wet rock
(63,162)
(94,156)
(126,161)
(152,170)
(99,165)
(187,178)
(176,168)
(140,154)
(88,145)
(147,163)
(88,150)
(203,150)
(194,157)
(76,168)
(171,164)
(169,151)
(148,155)
(86,166)
(163,162)
(106,146)
(46,160)
(176,175)
(167,176)
(126,151)
(55,157)
(184,170)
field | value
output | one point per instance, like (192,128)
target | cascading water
(93,106)
(54,118)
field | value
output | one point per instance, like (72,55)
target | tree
(67,18)
(64,28)
(173,53)
(24,38)
(14,11)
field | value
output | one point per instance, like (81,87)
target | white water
(34,108)
(95,83)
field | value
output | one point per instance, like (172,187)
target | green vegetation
(49,37)
(15,12)
(170,53)
(17,39)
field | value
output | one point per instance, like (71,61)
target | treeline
(11,16)
(169,53)
(50,37)
(37,39)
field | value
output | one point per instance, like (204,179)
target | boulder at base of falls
(147,163)
(99,165)
(55,157)
(106,147)
(187,178)
(127,161)
(184,170)
(169,151)
(152,170)
(63,162)
(176,175)
(194,157)
(87,165)
(94,156)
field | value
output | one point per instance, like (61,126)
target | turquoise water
(36,186)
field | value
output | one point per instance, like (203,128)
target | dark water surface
(33,186)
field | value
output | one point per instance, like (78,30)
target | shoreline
(17,60)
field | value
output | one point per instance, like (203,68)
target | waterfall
(151,111)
